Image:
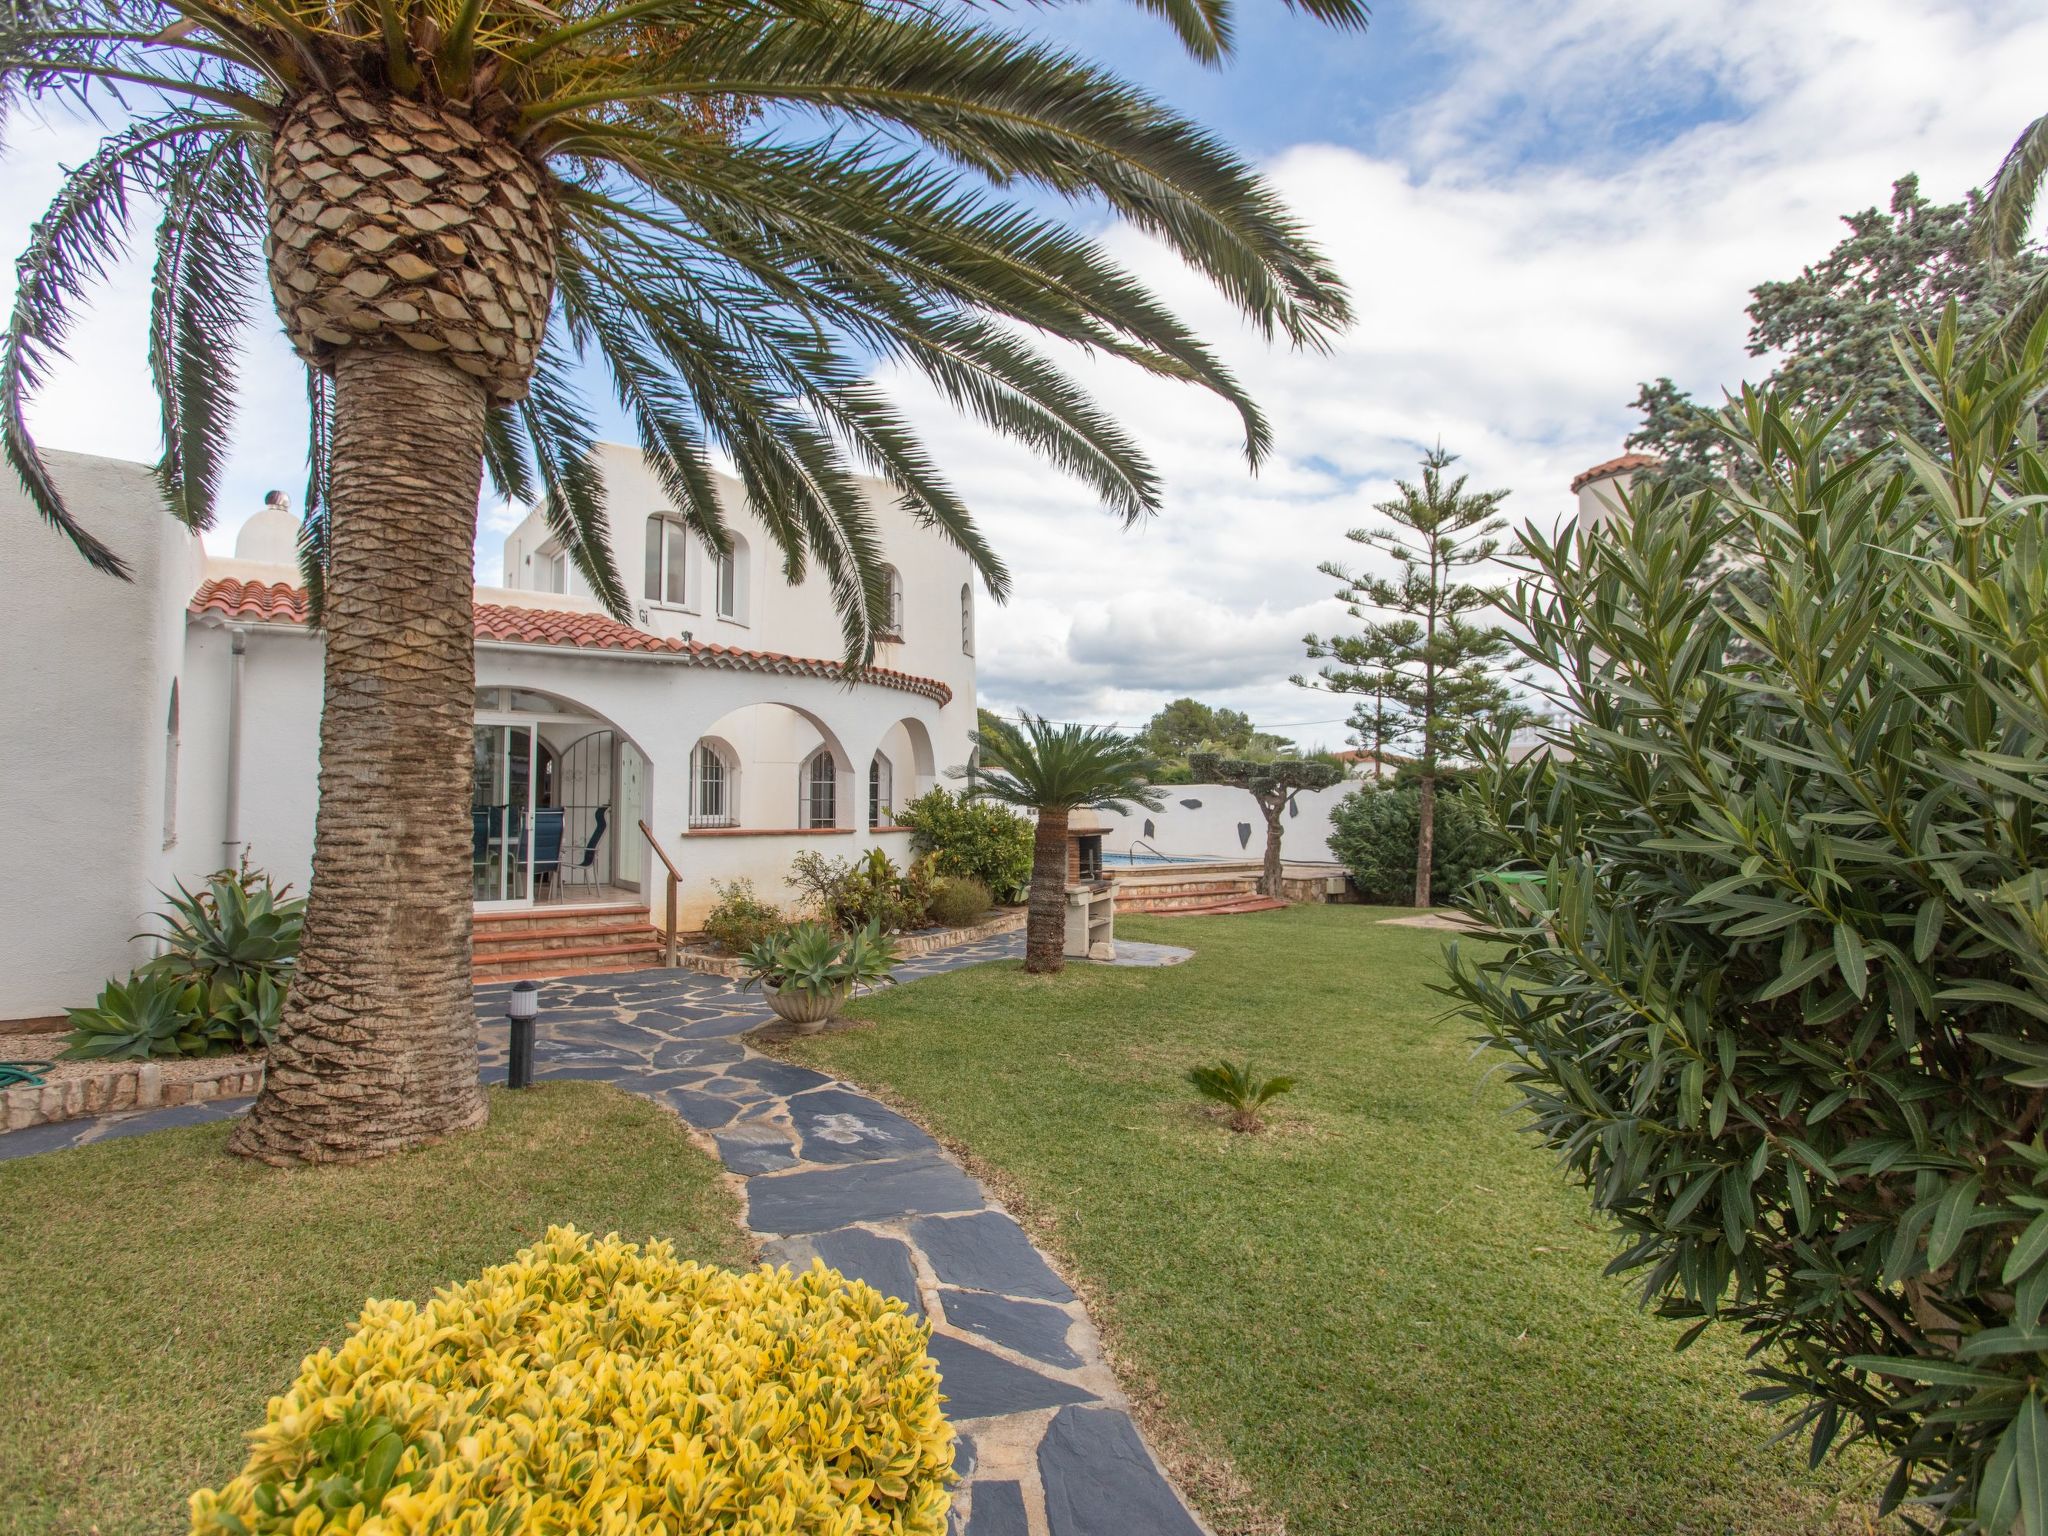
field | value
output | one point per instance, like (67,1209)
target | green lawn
(154,1293)
(1389,1311)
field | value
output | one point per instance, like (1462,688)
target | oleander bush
(959,901)
(596,1386)
(976,839)
(1373,833)
(1779,997)
(740,919)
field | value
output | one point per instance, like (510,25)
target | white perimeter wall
(86,667)
(1220,821)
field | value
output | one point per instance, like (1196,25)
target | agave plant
(810,959)
(732,208)
(1237,1088)
(152,1013)
(238,928)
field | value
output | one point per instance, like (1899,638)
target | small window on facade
(557,575)
(712,798)
(667,552)
(728,586)
(967,618)
(820,791)
(881,791)
(892,618)
(171,770)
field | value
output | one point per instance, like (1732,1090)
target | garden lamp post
(522,1007)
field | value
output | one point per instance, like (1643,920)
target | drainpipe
(231,815)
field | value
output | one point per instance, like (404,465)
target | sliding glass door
(500,814)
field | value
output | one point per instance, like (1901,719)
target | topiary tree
(1273,786)
(1779,997)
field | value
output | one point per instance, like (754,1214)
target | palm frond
(1042,766)
(562,438)
(199,293)
(316,526)
(2009,206)
(83,232)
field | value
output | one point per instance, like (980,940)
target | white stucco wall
(1600,500)
(86,667)
(1220,821)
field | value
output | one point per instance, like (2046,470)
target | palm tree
(1055,770)
(733,207)
(2009,206)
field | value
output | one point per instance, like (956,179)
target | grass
(155,1292)
(1388,1311)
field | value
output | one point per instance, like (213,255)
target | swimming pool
(1127,860)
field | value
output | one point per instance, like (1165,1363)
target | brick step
(1178,900)
(641,952)
(563,912)
(566,936)
(594,967)
(1226,908)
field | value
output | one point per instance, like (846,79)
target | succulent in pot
(807,971)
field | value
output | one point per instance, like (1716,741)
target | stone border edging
(128,1085)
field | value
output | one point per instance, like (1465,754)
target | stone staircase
(1166,891)
(567,940)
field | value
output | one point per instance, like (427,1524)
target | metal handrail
(1139,842)
(674,879)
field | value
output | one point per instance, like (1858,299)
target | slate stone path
(1046,1447)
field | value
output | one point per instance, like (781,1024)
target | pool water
(1127,860)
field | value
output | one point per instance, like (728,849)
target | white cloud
(1523,247)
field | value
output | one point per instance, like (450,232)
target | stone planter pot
(808,1011)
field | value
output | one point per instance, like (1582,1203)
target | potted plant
(807,971)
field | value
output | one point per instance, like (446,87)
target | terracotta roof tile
(1626,464)
(280,603)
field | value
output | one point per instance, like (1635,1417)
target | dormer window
(667,558)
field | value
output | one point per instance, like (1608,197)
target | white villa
(168,727)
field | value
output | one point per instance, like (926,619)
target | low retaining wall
(908,945)
(125,1085)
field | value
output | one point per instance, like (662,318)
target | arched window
(967,618)
(714,788)
(667,555)
(881,792)
(892,616)
(171,770)
(729,579)
(819,791)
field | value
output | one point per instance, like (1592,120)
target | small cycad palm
(1234,1085)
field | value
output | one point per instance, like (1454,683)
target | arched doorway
(556,798)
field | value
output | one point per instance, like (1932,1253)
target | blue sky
(1537,204)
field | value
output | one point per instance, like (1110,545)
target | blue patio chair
(584,867)
(547,845)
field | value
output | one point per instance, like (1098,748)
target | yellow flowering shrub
(596,1386)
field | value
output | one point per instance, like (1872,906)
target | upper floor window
(881,791)
(667,556)
(819,791)
(967,618)
(892,615)
(728,586)
(554,573)
(171,770)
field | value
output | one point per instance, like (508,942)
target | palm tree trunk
(377,1050)
(1045,924)
(1425,837)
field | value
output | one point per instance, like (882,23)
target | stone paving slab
(830,1173)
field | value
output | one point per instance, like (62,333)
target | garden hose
(22,1074)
